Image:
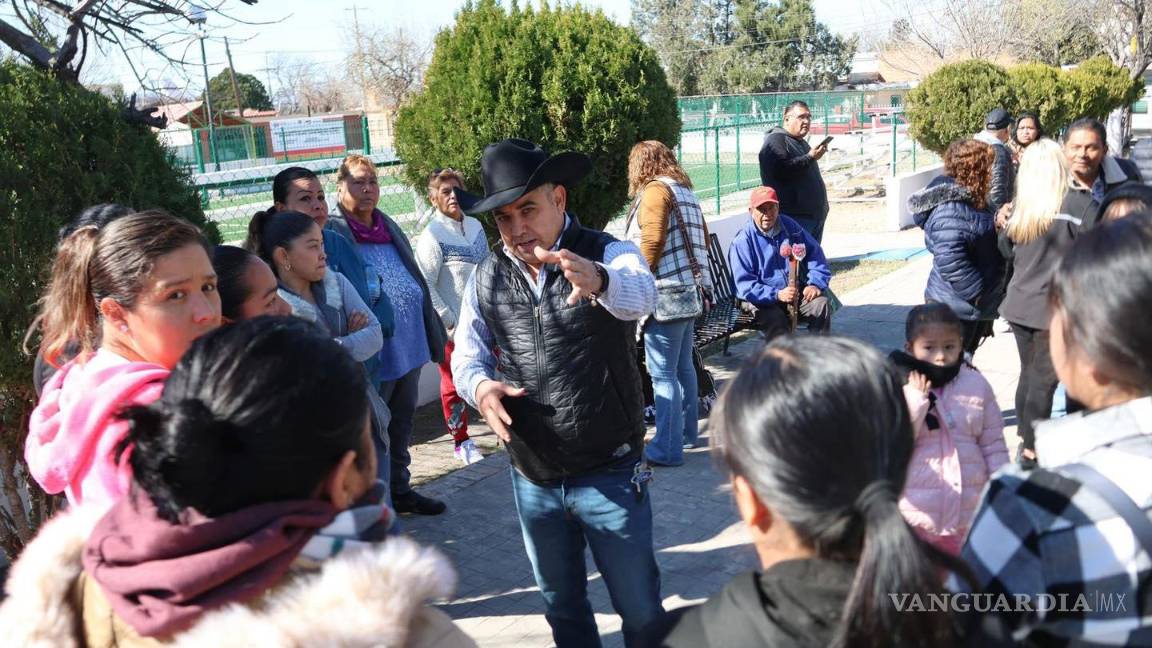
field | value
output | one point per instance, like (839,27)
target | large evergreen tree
(676,30)
(567,78)
(736,46)
(253,94)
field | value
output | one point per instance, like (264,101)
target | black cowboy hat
(513,167)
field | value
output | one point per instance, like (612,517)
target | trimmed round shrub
(952,102)
(564,77)
(1044,90)
(1100,87)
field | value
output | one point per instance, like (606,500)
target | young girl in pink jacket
(958,427)
(127,299)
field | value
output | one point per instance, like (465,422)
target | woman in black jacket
(816,484)
(1040,230)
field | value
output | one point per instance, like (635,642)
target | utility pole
(198,17)
(235,86)
(268,77)
(359,58)
(239,102)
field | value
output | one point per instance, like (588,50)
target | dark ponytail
(819,428)
(270,229)
(256,412)
(231,264)
(95,216)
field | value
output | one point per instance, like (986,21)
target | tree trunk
(24,506)
(1119,126)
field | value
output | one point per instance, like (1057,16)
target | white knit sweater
(447,252)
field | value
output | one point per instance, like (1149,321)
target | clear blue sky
(322,32)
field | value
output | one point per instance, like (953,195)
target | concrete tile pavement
(700,544)
(876,312)
(699,548)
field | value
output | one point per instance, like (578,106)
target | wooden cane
(794,304)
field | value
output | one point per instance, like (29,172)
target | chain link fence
(870,142)
(846,108)
(233,166)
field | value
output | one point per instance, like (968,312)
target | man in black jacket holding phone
(789,165)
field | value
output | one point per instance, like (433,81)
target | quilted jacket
(966,265)
(952,463)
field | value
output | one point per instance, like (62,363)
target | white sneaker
(467,452)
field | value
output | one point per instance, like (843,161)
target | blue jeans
(601,510)
(668,351)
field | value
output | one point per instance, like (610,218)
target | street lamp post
(199,17)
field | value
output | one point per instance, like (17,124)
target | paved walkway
(700,544)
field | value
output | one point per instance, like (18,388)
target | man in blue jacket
(761,274)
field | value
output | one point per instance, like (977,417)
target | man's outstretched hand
(489,398)
(579,272)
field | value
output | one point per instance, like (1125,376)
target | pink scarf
(377,233)
(160,577)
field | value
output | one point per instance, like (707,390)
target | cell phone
(825,142)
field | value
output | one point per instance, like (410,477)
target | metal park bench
(725,317)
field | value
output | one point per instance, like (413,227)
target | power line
(731,45)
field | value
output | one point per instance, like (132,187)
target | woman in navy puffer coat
(961,235)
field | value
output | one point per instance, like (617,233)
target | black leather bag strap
(1131,512)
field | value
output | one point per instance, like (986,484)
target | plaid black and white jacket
(675,268)
(1043,538)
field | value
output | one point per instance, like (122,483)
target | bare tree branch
(146,116)
(55,7)
(25,45)
(394,63)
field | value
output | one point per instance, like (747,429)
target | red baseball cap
(761,195)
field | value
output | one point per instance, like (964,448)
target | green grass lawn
(849,275)
(733,177)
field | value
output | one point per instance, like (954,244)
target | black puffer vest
(584,406)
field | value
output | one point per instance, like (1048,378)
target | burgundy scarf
(377,233)
(161,577)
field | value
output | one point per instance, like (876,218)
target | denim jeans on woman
(604,511)
(668,353)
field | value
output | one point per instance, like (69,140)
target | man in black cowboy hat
(559,301)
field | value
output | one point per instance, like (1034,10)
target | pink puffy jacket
(951,464)
(74,430)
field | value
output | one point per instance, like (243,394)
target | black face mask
(937,375)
